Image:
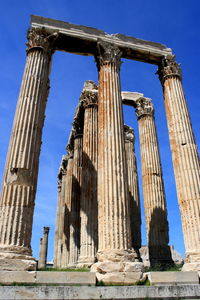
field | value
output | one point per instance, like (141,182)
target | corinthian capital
(40,38)
(46,230)
(89,98)
(70,149)
(169,67)
(129,134)
(108,53)
(144,106)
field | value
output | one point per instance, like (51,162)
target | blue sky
(173,23)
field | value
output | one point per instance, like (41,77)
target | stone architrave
(185,158)
(43,248)
(60,215)
(21,170)
(89,208)
(134,197)
(153,186)
(74,213)
(114,237)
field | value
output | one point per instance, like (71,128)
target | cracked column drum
(113,210)
(89,208)
(153,186)
(21,170)
(185,158)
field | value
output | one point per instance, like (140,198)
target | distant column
(21,170)
(134,198)
(185,158)
(60,215)
(113,208)
(74,226)
(89,208)
(43,249)
(153,186)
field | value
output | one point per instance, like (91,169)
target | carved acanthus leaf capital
(40,38)
(108,53)
(129,134)
(168,68)
(77,128)
(62,171)
(144,106)
(89,98)
(46,230)
(70,150)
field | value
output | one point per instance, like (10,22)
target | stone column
(21,170)
(185,158)
(65,246)
(113,204)
(153,186)
(134,197)
(89,208)
(74,226)
(60,215)
(43,248)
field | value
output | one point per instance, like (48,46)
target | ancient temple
(98,216)
(77,226)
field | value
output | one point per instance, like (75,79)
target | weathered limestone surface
(134,198)
(185,157)
(46,277)
(119,277)
(43,248)
(66,278)
(183,291)
(21,170)
(110,267)
(153,186)
(113,210)
(89,209)
(60,214)
(172,278)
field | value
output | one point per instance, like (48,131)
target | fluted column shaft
(74,244)
(43,249)
(65,245)
(60,215)
(185,156)
(89,208)
(134,198)
(113,211)
(21,170)
(152,183)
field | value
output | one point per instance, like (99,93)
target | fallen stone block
(133,267)
(119,277)
(107,267)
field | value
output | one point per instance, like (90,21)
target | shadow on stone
(158,239)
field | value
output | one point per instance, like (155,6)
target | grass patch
(65,270)
(144,283)
(164,268)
